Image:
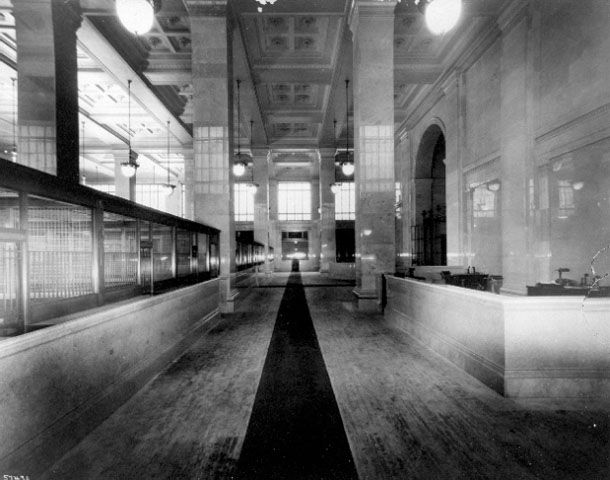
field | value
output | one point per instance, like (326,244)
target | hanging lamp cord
(346,119)
(168,152)
(238,119)
(251,171)
(129,118)
(14,81)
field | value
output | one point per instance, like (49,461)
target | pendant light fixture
(168,188)
(137,16)
(335,187)
(347,166)
(82,135)
(441,15)
(129,167)
(14,147)
(493,186)
(241,159)
(264,2)
(252,187)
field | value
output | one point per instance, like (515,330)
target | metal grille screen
(60,249)
(120,250)
(162,252)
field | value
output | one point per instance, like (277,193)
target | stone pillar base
(368,301)
(228,305)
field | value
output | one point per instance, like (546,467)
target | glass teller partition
(66,248)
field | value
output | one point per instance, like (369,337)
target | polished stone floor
(406,413)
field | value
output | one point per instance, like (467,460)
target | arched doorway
(429,233)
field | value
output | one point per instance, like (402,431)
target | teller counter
(522,347)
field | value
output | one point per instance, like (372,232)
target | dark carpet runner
(295,430)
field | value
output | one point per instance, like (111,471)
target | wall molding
(581,131)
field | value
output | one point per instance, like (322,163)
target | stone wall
(59,383)
(527,106)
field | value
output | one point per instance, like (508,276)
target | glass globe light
(348,168)
(252,188)
(128,169)
(137,16)
(493,186)
(335,188)
(239,168)
(168,189)
(442,15)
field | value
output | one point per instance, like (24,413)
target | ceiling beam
(320,74)
(98,48)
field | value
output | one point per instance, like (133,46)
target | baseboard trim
(487,372)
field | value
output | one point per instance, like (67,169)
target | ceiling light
(252,188)
(239,168)
(168,189)
(14,148)
(128,169)
(347,168)
(493,186)
(264,2)
(137,16)
(241,159)
(441,15)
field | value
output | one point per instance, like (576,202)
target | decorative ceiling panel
(300,95)
(292,39)
(294,129)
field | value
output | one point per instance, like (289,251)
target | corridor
(298,385)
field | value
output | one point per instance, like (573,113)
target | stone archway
(429,231)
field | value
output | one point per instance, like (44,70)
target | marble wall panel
(482,82)
(574,65)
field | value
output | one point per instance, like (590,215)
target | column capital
(403,135)
(512,13)
(451,82)
(206,8)
(68,10)
(369,8)
(260,152)
(327,152)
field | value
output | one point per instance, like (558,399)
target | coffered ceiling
(293,49)
(293,57)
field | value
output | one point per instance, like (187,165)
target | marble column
(327,210)
(48,86)
(314,231)
(208,176)
(372,25)
(260,158)
(402,170)
(516,144)
(455,143)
